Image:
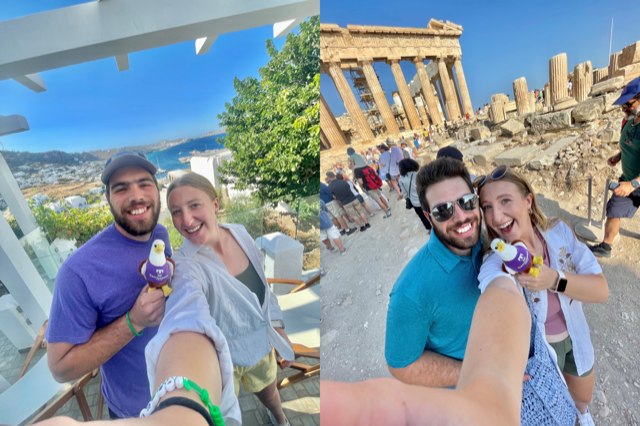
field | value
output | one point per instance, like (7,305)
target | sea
(169,159)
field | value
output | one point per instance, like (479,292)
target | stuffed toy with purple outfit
(158,269)
(516,258)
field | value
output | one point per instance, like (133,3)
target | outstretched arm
(490,386)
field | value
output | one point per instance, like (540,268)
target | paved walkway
(301,401)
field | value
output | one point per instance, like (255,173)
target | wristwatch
(635,183)
(561,285)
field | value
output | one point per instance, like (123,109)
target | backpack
(371,179)
(405,154)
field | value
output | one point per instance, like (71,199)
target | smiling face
(134,202)
(194,214)
(462,231)
(506,210)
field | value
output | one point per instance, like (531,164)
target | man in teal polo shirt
(626,197)
(432,302)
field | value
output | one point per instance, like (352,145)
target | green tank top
(252,280)
(630,147)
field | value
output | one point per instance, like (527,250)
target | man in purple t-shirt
(99,284)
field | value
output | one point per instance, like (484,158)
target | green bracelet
(131,327)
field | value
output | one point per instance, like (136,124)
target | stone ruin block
(589,110)
(630,55)
(517,156)
(606,86)
(480,133)
(548,156)
(551,122)
(564,103)
(512,127)
(629,73)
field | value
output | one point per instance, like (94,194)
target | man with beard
(103,314)
(626,197)
(432,302)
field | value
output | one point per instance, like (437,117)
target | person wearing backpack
(371,182)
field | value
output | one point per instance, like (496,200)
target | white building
(76,202)
(96,190)
(40,199)
(208,167)
(56,206)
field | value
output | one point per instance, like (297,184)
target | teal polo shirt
(432,303)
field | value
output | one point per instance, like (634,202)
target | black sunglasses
(443,212)
(497,174)
(627,105)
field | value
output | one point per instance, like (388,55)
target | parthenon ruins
(356,48)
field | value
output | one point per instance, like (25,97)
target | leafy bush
(77,224)
(175,238)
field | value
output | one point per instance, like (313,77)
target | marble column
(422,110)
(407,101)
(600,75)
(329,125)
(427,90)
(532,101)
(497,112)
(464,90)
(324,142)
(380,98)
(547,94)
(455,87)
(558,77)
(582,81)
(449,96)
(613,63)
(350,102)
(521,95)
(442,107)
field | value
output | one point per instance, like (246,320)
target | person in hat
(626,197)
(452,152)
(103,314)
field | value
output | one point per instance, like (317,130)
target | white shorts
(331,233)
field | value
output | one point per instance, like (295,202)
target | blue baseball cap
(629,91)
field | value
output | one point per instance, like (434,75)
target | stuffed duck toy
(516,258)
(158,269)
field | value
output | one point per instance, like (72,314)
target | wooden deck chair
(37,392)
(301,315)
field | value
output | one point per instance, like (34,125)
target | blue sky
(167,93)
(502,40)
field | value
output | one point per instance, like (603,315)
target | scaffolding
(371,110)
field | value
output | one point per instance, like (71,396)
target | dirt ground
(61,190)
(356,287)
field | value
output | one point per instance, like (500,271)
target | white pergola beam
(32,81)
(98,30)
(282,28)
(13,124)
(122,61)
(204,44)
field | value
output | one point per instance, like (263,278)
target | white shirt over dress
(209,300)
(569,255)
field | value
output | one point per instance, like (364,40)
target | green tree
(273,124)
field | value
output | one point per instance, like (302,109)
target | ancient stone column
(324,142)
(449,96)
(350,102)
(582,81)
(422,111)
(521,95)
(405,95)
(532,101)
(600,74)
(455,87)
(427,90)
(329,125)
(613,63)
(464,90)
(380,98)
(497,112)
(441,106)
(558,77)
(547,93)
(406,123)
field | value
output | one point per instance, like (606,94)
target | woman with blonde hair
(220,271)
(569,277)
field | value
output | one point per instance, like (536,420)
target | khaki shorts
(332,233)
(353,208)
(256,377)
(374,193)
(334,210)
(566,361)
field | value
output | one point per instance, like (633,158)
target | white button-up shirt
(567,254)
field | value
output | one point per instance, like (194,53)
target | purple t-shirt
(96,285)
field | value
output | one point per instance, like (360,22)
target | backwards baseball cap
(629,91)
(351,151)
(450,152)
(126,158)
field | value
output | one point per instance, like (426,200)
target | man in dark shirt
(341,191)
(334,211)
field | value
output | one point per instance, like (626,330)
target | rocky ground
(356,286)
